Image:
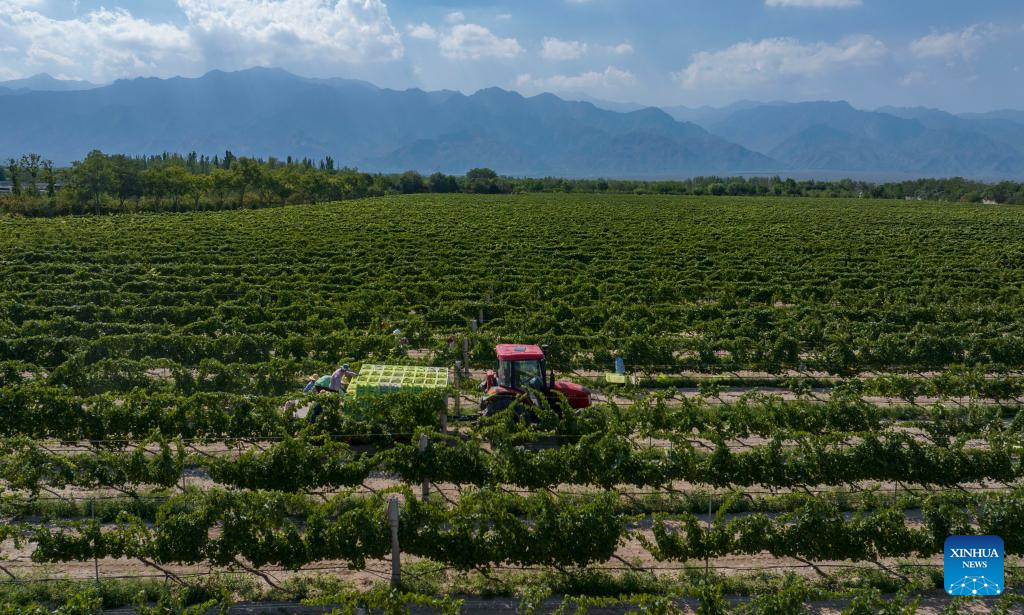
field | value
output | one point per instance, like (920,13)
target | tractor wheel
(496,405)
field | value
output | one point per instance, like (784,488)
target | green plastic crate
(380,379)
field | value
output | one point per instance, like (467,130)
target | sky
(958,55)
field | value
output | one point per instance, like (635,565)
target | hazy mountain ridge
(1012,115)
(270,112)
(266,112)
(999,129)
(44,83)
(835,136)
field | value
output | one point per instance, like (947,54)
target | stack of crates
(380,379)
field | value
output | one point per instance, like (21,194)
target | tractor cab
(521,376)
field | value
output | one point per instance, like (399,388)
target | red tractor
(522,376)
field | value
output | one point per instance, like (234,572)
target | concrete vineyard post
(458,392)
(465,353)
(444,414)
(396,565)
(95,558)
(707,560)
(425,487)
(472,325)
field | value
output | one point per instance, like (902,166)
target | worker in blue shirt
(620,365)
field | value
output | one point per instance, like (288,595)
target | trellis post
(396,565)
(95,558)
(707,558)
(458,394)
(425,488)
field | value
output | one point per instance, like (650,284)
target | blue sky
(958,55)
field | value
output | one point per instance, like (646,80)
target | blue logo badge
(973,565)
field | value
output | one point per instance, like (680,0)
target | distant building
(989,202)
(7,187)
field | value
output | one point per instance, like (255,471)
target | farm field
(821,387)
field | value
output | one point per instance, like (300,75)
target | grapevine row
(605,460)
(487,528)
(47,412)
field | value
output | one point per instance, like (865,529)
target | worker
(620,365)
(310,384)
(340,379)
(321,384)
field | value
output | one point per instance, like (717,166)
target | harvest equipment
(380,379)
(522,376)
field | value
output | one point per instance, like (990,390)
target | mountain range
(270,112)
(44,83)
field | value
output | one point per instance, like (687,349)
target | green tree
(482,181)
(94,177)
(410,182)
(442,184)
(246,173)
(32,164)
(128,174)
(15,171)
(50,177)
(198,185)
(286,183)
(178,181)
(154,182)
(221,183)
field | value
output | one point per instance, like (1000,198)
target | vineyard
(819,393)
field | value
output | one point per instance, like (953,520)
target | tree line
(102,183)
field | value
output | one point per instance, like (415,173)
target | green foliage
(127,354)
(712,601)
(789,600)
(386,602)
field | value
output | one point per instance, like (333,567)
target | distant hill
(835,136)
(270,112)
(600,103)
(45,83)
(708,116)
(998,129)
(549,136)
(267,112)
(1004,114)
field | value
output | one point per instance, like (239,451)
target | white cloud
(609,78)
(503,17)
(109,43)
(455,17)
(815,4)
(622,49)
(751,63)
(962,44)
(277,32)
(423,31)
(557,49)
(101,45)
(913,78)
(472,42)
